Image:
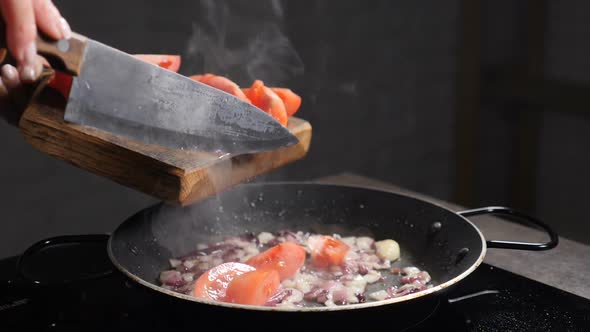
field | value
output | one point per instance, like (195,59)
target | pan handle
(526,219)
(42,264)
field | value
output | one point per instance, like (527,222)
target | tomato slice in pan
(286,258)
(326,250)
(253,288)
(212,285)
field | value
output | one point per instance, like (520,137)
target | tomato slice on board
(285,258)
(168,61)
(268,101)
(326,250)
(212,285)
(201,78)
(291,100)
(62,83)
(221,83)
(272,104)
(253,288)
(254,92)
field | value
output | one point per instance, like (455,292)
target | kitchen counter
(565,267)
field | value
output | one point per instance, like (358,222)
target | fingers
(14,96)
(9,80)
(21,32)
(10,77)
(50,21)
(22,18)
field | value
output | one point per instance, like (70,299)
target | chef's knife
(116,92)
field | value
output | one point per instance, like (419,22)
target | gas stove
(489,299)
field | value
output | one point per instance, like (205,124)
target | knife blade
(121,94)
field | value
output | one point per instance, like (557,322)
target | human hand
(23,18)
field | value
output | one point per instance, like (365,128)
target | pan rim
(345,307)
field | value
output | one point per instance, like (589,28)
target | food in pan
(295,269)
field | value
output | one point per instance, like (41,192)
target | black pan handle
(86,263)
(526,219)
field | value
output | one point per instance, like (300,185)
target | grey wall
(564,177)
(561,176)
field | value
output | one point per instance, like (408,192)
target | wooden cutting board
(175,176)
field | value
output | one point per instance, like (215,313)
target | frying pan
(431,237)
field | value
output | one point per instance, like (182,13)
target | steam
(243,40)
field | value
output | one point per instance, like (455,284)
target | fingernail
(27,68)
(30,55)
(64,27)
(27,73)
(9,72)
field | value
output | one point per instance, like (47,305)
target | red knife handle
(64,55)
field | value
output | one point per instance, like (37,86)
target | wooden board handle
(65,55)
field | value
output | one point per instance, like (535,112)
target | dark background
(476,102)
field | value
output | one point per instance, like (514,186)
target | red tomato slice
(272,104)
(221,83)
(168,61)
(254,92)
(291,100)
(253,288)
(267,100)
(212,285)
(62,83)
(286,258)
(326,250)
(201,78)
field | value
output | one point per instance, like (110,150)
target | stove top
(489,299)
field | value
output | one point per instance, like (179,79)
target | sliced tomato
(168,61)
(212,285)
(196,77)
(286,258)
(267,100)
(253,288)
(272,104)
(326,250)
(201,78)
(62,83)
(291,100)
(221,83)
(254,92)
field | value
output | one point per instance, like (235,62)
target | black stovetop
(490,299)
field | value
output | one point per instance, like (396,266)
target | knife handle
(64,55)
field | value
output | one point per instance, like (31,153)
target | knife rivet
(63,45)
